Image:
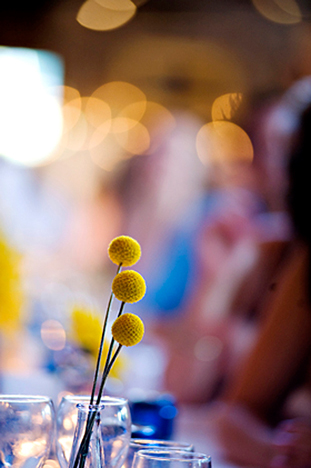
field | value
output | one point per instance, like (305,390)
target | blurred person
(197,212)
(217,265)
(219,251)
(264,416)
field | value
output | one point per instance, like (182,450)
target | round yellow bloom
(129,286)
(125,250)
(128,329)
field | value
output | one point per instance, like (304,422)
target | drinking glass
(154,458)
(26,430)
(114,420)
(143,444)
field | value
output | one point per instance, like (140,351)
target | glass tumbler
(26,430)
(146,444)
(154,458)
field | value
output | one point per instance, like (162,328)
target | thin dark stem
(102,342)
(105,374)
(105,369)
(121,309)
(108,359)
(82,452)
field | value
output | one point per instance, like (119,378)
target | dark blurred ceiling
(19,8)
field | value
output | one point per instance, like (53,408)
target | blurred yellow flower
(11,296)
(86,333)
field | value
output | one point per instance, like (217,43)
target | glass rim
(158,443)
(180,455)
(90,408)
(80,399)
(24,398)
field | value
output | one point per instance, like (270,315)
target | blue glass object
(153,418)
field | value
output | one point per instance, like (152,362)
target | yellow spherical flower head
(125,250)
(128,329)
(129,286)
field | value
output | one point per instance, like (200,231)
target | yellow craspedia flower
(86,328)
(125,250)
(129,286)
(86,332)
(128,329)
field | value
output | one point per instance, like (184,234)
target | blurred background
(159,120)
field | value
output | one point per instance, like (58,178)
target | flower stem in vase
(127,329)
(100,352)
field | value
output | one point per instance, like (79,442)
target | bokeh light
(94,14)
(223,142)
(279,11)
(76,139)
(116,5)
(50,463)
(123,98)
(136,139)
(160,123)
(53,335)
(225,106)
(30,449)
(87,121)
(129,115)
(108,154)
(148,128)
(97,112)
(71,113)
(70,93)
(30,115)
(108,124)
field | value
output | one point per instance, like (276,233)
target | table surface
(193,425)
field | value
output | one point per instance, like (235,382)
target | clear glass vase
(108,439)
(87,447)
